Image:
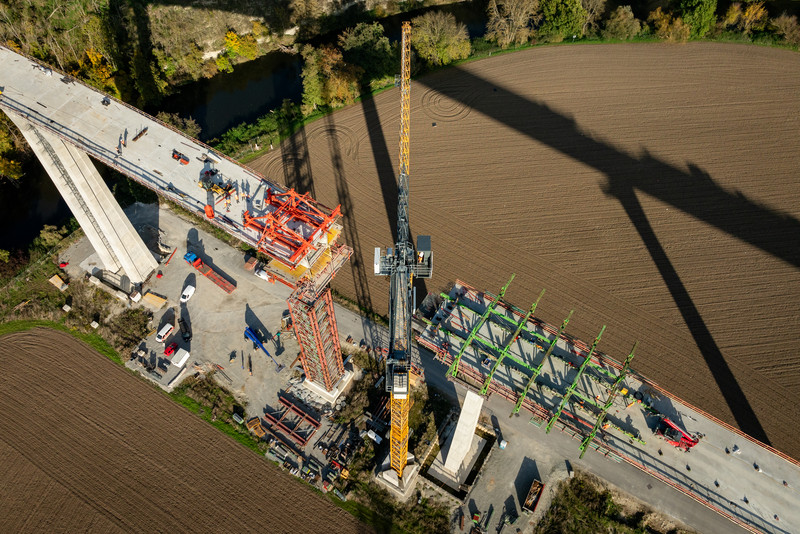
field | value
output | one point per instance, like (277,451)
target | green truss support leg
(454,366)
(611,396)
(574,384)
(541,364)
(508,344)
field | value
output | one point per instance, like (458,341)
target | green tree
(312,80)
(10,168)
(6,142)
(700,15)
(4,255)
(232,43)
(341,85)
(49,237)
(511,21)
(223,63)
(561,18)
(248,46)
(667,28)
(622,24)
(188,126)
(439,39)
(366,45)
(327,79)
(754,18)
(594,10)
(788,28)
(97,71)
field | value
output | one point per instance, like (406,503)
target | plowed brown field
(653,188)
(86,447)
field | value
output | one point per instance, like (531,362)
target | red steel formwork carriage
(300,235)
(292,227)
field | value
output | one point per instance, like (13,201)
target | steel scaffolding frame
(522,324)
(574,384)
(315,327)
(611,396)
(508,344)
(539,367)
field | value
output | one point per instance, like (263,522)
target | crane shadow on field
(297,162)
(384,168)
(693,192)
(357,263)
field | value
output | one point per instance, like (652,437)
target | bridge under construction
(66,122)
(556,381)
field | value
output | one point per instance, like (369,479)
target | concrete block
(465,429)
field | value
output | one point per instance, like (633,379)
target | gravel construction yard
(651,187)
(85,446)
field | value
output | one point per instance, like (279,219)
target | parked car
(170,350)
(261,273)
(187,293)
(164,333)
(186,332)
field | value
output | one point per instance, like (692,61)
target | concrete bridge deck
(142,148)
(728,471)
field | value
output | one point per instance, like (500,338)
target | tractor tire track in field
(526,163)
(86,446)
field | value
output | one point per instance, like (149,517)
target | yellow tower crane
(402,264)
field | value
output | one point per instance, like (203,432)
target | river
(256,87)
(217,104)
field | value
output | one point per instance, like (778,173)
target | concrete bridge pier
(112,235)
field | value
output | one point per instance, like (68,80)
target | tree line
(139,53)
(364,59)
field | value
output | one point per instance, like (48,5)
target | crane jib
(402,264)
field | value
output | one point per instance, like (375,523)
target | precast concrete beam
(465,429)
(112,235)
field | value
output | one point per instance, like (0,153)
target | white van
(179,358)
(164,333)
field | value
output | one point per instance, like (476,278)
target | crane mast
(402,264)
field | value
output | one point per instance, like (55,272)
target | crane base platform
(399,489)
(333,395)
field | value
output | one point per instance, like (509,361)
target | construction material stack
(402,264)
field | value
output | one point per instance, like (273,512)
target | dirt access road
(651,187)
(87,447)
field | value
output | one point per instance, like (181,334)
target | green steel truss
(541,364)
(508,344)
(611,396)
(574,384)
(503,323)
(453,371)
